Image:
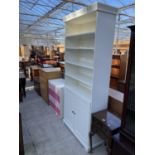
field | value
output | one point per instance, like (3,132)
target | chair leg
(90,140)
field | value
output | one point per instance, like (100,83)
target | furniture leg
(90,140)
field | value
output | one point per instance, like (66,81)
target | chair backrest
(115,104)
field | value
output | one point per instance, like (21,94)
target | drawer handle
(74,112)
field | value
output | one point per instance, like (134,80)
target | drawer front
(98,126)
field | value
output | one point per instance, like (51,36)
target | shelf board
(80,34)
(80,48)
(81,79)
(79,93)
(114,76)
(115,66)
(116,56)
(81,65)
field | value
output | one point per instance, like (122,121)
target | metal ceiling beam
(127,7)
(44,31)
(74,2)
(24,23)
(35,4)
(40,25)
(66,10)
(27,8)
(46,15)
(42,38)
(27,14)
(60,28)
(31,35)
(43,5)
(54,23)
(34,25)
(43,22)
(126,21)
(127,15)
(26,20)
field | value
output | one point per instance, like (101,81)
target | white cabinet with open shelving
(83,58)
(82,90)
(89,35)
(79,73)
(85,40)
(84,24)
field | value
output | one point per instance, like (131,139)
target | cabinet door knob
(73,112)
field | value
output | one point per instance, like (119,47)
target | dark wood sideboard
(124,142)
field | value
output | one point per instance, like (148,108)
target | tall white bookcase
(89,35)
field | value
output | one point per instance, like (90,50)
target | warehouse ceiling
(41,21)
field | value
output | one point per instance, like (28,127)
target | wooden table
(105,125)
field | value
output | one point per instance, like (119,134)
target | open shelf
(79,73)
(81,34)
(88,49)
(80,25)
(81,58)
(80,79)
(82,20)
(78,88)
(80,65)
(82,41)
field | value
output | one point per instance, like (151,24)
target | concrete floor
(44,133)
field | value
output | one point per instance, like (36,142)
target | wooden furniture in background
(34,72)
(37,84)
(115,68)
(118,72)
(44,75)
(35,77)
(49,61)
(61,64)
(124,143)
(104,124)
(122,46)
(61,56)
(115,104)
(128,118)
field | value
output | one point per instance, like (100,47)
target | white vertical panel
(102,59)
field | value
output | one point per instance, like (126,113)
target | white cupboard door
(82,117)
(68,108)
